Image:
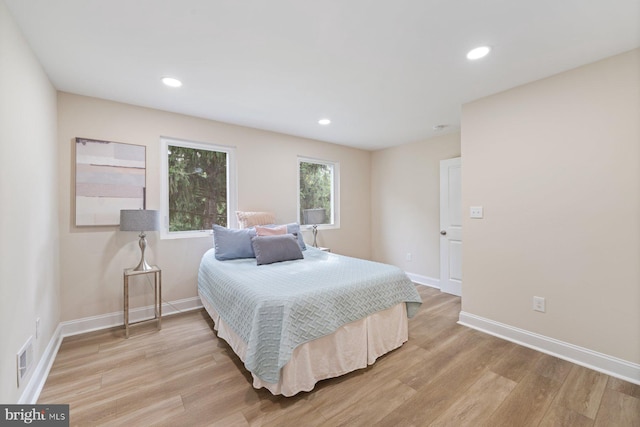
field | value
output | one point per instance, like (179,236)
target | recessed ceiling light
(479,52)
(170,81)
(324,122)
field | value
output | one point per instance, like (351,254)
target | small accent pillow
(249,219)
(271,230)
(233,244)
(270,249)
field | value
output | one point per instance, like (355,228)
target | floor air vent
(25,360)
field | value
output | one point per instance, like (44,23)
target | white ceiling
(384,72)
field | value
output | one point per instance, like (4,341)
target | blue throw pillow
(233,244)
(294,228)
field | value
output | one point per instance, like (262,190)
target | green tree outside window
(316,184)
(197,188)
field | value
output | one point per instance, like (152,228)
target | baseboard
(88,324)
(424,280)
(104,321)
(600,362)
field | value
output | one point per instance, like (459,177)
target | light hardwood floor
(445,375)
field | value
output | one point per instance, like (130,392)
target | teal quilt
(275,308)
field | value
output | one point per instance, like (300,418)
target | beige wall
(556,165)
(405,203)
(29,272)
(92,258)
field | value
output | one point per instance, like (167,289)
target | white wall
(556,165)
(405,204)
(29,271)
(92,258)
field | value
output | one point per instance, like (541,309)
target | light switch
(476,212)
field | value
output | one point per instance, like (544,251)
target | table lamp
(140,220)
(314,217)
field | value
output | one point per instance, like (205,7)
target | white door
(450,227)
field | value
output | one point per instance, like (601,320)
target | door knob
(443,232)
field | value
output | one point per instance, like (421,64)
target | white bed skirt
(353,346)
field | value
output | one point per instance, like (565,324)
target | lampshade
(139,220)
(313,216)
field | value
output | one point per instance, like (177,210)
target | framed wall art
(110,176)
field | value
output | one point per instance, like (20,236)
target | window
(318,190)
(198,187)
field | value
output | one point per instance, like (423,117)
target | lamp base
(315,235)
(142,265)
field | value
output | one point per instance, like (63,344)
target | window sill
(320,227)
(185,234)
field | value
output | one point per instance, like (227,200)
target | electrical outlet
(476,212)
(539,304)
(409,256)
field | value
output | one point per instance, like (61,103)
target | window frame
(232,185)
(335,193)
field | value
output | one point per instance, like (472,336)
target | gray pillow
(233,244)
(270,249)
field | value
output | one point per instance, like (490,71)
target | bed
(294,323)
